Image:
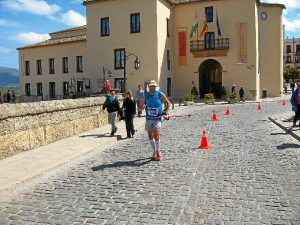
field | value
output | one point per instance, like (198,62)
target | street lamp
(136,67)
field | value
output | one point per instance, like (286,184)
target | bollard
(180,102)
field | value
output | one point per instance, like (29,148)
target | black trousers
(297,114)
(129,125)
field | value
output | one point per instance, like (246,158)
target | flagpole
(197,27)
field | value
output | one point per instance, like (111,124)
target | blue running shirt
(153,105)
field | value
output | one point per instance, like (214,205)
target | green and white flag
(194,27)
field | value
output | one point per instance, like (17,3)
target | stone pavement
(249,176)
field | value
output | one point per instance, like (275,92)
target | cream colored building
(156,34)
(291,54)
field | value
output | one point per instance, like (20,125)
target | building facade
(291,55)
(139,40)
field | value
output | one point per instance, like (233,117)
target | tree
(291,73)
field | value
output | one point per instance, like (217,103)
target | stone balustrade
(27,126)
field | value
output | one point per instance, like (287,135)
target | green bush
(233,96)
(194,91)
(209,96)
(223,91)
(189,97)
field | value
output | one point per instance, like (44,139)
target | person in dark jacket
(129,108)
(242,93)
(295,101)
(112,106)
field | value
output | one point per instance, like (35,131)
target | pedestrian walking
(242,93)
(129,108)
(138,95)
(13,97)
(112,106)
(292,86)
(295,101)
(153,101)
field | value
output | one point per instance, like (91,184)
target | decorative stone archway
(210,78)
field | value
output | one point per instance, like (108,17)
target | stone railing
(27,126)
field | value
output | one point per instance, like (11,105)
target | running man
(153,102)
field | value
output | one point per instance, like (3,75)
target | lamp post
(136,66)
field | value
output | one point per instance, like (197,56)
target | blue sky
(23,22)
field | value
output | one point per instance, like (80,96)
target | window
(51,66)
(27,89)
(65,64)
(135,23)
(27,68)
(119,83)
(209,12)
(169,86)
(79,64)
(39,89)
(168,27)
(51,90)
(288,49)
(288,59)
(298,49)
(104,27)
(79,86)
(119,58)
(65,88)
(39,67)
(168,60)
(209,40)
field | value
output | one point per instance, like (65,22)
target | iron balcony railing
(202,45)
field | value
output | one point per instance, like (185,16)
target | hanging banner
(182,46)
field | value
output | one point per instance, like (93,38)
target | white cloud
(4,50)
(73,18)
(31,37)
(77,1)
(289,4)
(38,7)
(8,23)
(291,25)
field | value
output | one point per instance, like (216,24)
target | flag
(204,27)
(218,27)
(194,29)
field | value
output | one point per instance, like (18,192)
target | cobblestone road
(250,176)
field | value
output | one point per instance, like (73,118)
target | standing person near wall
(138,95)
(295,101)
(107,86)
(233,89)
(113,107)
(129,111)
(242,93)
(153,102)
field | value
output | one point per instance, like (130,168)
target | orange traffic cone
(283,103)
(214,116)
(258,107)
(227,111)
(204,143)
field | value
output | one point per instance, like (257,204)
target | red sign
(182,46)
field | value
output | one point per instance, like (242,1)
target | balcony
(203,48)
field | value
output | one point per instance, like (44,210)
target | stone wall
(30,125)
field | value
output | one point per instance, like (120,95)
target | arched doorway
(210,78)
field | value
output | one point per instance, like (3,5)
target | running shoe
(154,156)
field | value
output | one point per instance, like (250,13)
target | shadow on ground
(132,163)
(288,145)
(119,137)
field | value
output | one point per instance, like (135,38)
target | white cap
(152,83)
